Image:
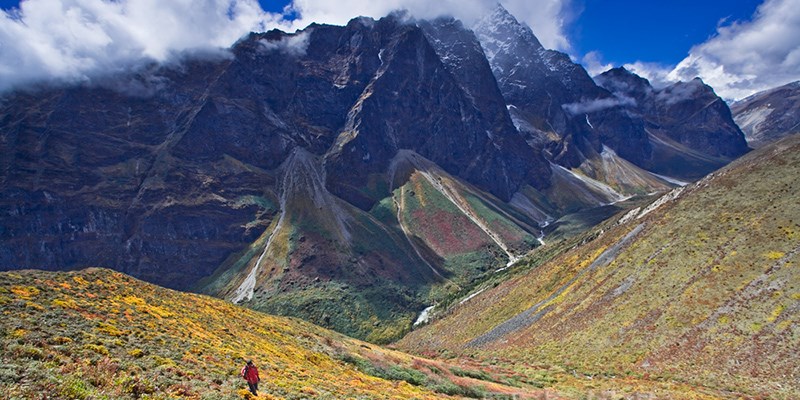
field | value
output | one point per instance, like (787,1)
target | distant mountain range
(767,116)
(350,175)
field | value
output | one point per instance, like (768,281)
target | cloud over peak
(742,57)
(745,57)
(547,18)
(75,40)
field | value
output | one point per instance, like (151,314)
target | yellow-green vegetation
(702,291)
(98,334)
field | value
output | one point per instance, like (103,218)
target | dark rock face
(90,177)
(415,102)
(463,56)
(168,182)
(770,115)
(692,114)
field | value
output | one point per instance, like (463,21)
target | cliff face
(550,96)
(691,129)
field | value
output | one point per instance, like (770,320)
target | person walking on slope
(250,374)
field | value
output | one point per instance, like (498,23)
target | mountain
(684,131)
(691,129)
(298,169)
(101,334)
(769,115)
(698,287)
(349,175)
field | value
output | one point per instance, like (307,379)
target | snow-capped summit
(502,35)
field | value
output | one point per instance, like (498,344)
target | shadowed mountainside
(322,174)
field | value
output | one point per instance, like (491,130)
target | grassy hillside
(98,334)
(702,288)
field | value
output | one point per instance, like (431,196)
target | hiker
(250,374)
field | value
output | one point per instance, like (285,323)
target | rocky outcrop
(550,97)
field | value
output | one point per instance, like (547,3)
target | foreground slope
(101,334)
(701,287)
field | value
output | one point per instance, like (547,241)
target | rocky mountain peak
(621,81)
(500,33)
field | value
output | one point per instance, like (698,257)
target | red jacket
(250,373)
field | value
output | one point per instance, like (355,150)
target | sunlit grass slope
(702,290)
(98,334)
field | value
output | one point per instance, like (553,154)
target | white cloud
(656,73)
(593,62)
(590,106)
(745,57)
(547,18)
(679,92)
(340,12)
(294,45)
(742,58)
(75,39)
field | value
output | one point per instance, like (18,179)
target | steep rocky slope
(769,115)
(699,287)
(691,129)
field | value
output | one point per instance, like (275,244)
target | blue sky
(737,46)
(662,31)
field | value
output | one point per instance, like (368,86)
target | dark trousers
(253,388)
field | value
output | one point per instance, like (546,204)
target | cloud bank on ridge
(75,40)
